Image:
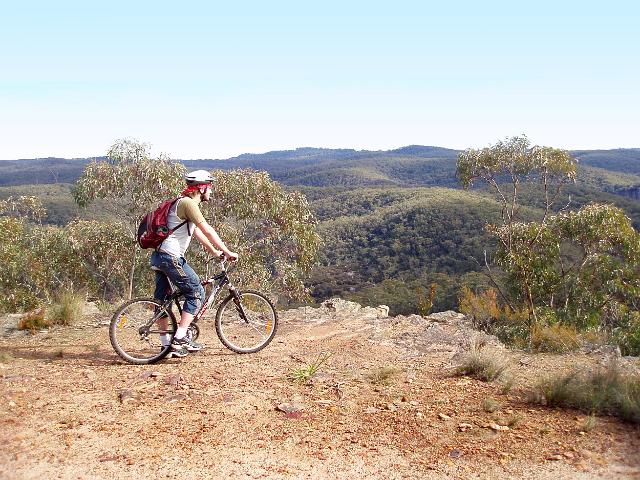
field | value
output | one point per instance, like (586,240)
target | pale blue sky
(216,79)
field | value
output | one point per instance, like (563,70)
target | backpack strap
(180,224)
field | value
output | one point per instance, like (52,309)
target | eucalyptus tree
(131,183)
(506,166)
(273,230)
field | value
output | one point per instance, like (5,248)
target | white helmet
(199,177)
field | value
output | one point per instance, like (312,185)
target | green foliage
(131,183)
(604,391)
(306,373)
(103,251)
(573,270)
(626,332)
(516,159)
(37,261)
(23,206)
(492,316)
(584,265)
(425,301)
(273,230)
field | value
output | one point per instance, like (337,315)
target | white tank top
(178,242)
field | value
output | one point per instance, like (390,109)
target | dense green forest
(393,223)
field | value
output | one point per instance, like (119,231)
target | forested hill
(394,223)
(615,171)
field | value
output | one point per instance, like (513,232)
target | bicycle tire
(140,347)
(250,335)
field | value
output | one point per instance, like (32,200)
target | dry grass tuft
(5,357)
(383,376)
(556,338)
(490,405)
(605,391)
(482,365)
(67,309)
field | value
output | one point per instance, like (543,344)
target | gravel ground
(384,405)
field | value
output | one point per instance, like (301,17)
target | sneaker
(175,353)
(185,344)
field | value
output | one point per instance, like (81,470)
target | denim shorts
(182,276)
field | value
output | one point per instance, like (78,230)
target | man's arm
(212,242)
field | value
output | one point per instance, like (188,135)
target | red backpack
(154,227)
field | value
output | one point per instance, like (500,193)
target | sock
(180,333)
(165,338)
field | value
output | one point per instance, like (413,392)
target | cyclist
(169,259)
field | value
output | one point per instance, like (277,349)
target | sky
(216,79)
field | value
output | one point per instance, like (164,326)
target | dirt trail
(382,406)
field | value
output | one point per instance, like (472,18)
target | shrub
(604,391)
(555,338)
(627,334)
(34,320)
(491,317)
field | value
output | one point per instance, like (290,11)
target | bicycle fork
(238,303)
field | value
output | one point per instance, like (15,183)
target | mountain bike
(246,321)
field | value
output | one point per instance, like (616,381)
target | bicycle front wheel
(246,322)
(137,329)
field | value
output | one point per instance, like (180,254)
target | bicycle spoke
(137,328)
(248,327)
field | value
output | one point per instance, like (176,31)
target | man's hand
(231,256)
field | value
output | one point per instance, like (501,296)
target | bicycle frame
(220,280)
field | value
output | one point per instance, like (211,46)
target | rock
(455,453)
(178,397)
(449,318)
(463,427)
(127,395)
(555,457)
(107,458)
(291,407)
(443,416)
(419,415)
(498,428)
(371,410)
(172,379)
(382,311)
(391,407)
(339,305)
(90,309)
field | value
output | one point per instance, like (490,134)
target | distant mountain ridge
(616,170)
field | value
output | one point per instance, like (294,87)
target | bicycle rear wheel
(136,328)
(248,323)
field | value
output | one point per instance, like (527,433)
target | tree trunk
(131,273)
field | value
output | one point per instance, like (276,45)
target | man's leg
(166,269)
(161,293)
(188,282)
